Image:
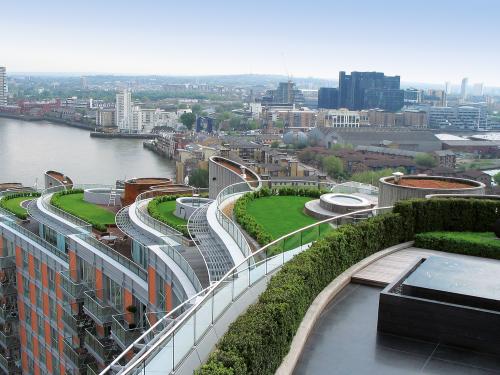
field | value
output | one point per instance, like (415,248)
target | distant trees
(373,177)
(199,178)
(496,178)
(333,166)
(188,120)
(425,160)
(275,144)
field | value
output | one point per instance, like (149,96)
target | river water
(28,149)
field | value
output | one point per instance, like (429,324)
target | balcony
(123,331)
(76,322)
(103,348)
(9,364)
(92,369)
(78,356)
(73,288)
(8,262)
(99,310)
(8,312)
(8,339)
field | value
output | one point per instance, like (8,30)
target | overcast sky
(423,41)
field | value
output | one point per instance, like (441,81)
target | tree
(496,178)
(275,144)
(199,178)
(425,160)
(188,120)
(279,124)
(333,166)
(196,109)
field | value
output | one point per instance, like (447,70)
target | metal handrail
(231,276)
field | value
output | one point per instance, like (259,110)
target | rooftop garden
(13,203)
(269,214)
(483,244)
(72,202)
(162,208)
(249,348)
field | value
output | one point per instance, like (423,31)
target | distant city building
(407,118)
(123,108)
(83,82)
(286,93)
(436,98)
(461,117)
(105,117)
(366,90)
(463,89)
(328,98)
(136,125)
(339,118)
(310,98)
(478,89)
(412,96)
(447,88)
(3,85)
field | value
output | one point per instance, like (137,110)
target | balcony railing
(123,331)
(92,369)
(98,309)
(8,262)
(115,255)
(104,348)
(9,340)
(76,322)
(9,364)
(73,288)
(8,312)
(78,356)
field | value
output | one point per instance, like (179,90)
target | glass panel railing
(115,255)
(74,320)
(77,355)
(8,338)
(8,312)
(184,265)
(126,329)
(74,289)
(102,347)
(7,262)
(97,308)
(10,365)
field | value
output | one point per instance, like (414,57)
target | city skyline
(430,43)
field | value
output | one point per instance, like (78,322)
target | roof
(469,143)
(387,151)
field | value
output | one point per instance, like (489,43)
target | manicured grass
(167,209)
(75,205)
(14,205)
(280,215)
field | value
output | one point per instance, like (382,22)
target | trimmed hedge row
(155,213)
(55,201)
(21,215)
(250,225)
(450,242)
(270,325)
(258,340)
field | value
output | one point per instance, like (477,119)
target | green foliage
(279,124)
(373,177)
(188,120)
(12,203)
(481,244)
(261,337)
(155,210)
(255,228)
(425,160)
(275,144)
(496,178)
(72,202)
(333,166)
(258,340)
(199,178)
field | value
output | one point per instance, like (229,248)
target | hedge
(21,214)
(259,339)
(462,243)
(155,213)
(250,225)
(56,203)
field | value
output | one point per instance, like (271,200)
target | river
(28,149)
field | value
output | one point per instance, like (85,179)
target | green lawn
(75,205)
(167,209)
(280,215)
(14,205)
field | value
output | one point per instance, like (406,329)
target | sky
(430,41)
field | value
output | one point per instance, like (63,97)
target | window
(27,316)
(50,235)
(25,260)
(51,275)
(38,272)
(52,309)
(26,287)
(38,292)
(160,293)
(41,326)
(42,354)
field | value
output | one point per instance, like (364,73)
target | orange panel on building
(127,301)
(168,297)
(152,285)
(72,264)
(19,257)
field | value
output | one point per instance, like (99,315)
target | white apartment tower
(3,85)
(124,119)
(463,89)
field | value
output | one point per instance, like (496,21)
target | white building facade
(124,117)
(3,85)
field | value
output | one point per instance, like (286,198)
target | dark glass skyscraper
(366,90)
(328,98)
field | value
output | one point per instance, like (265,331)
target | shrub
(20,213)
(259,339)
(475,244)
(250,225)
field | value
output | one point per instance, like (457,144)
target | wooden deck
(386,270)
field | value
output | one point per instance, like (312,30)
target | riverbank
(123,135)
(55,120)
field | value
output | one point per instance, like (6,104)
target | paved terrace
(345,339)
